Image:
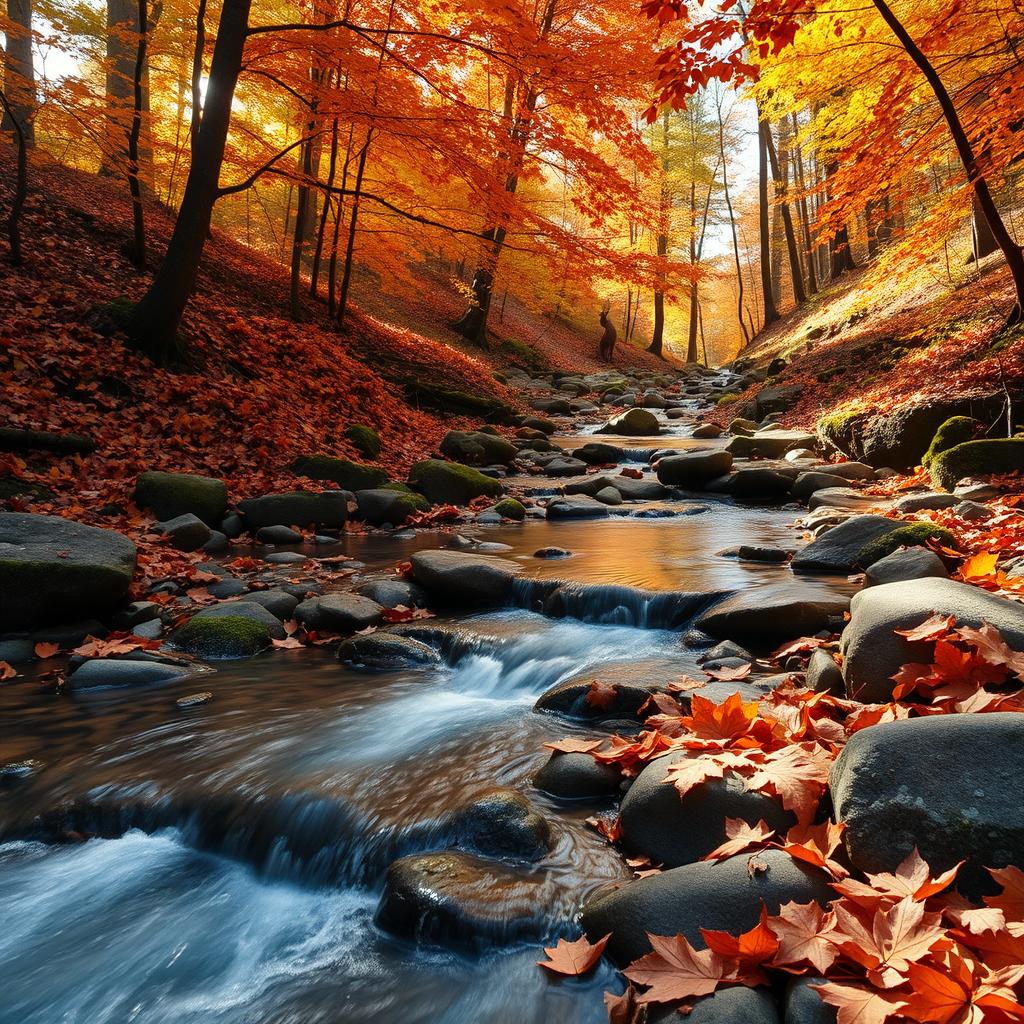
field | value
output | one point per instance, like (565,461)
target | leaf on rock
(676,971)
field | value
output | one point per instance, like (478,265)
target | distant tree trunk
(332,263)
(332,166)
(134,134)
(732,228)
(19,84)
(781,176)
(771,314)
(691,341)
(777,243)
(198,53)
(153,327)
(983,242)
(805,222)
(21,182)
(1011,250)
(664,206)
(353,216)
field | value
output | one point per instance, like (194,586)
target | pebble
(194,700)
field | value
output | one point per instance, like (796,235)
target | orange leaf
(931,629)
(574,958)
(675,970)
(7,671)
(857,1004)
(571,746)
(740,836)
(979,566)
(802,931)
(46,650)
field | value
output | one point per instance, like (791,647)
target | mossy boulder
(55,570)
(956,430)
(840,429)
(909,536)
(296,508)
(451,483)
(509,508)
(458,403)
(478,448)
(379,505)
(365,439)
(977,458)
(352,476)
(231,636)
(169,495)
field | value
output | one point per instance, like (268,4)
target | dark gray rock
(824,675)
(836,550)
(807,483)
(596,453)
(972,511)
(170,495)
(186,532)
(107,673)
(749,553)
(278,535)
(674,830)
(393,592)
(451,482)
(708,431)
(844,498)
(134,613)
(217,543)
(384,505)
(693,469)
(17,651)
(947,784)
(577,777)
(460,578)
(769,444)
(500,823)
(69,634)
(339,613)
(551,553)
(906,564)
(296,508)
(577,506)
(733,1005)
(921,502)
(279,603)
(387,652)
(803,1005)
(232,526)
(53,569)
(608,496)
(285,558)
(475,448)
(245,610)
(726,649)
(721,895)
(758,484)
(873,653)
(565,467)
(457,900)
(753,617)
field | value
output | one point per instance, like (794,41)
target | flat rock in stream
(693,469)
(673,830)
(758,618)
(723,895)
(632,423)
(460,901)
(114,673)
(461,577)
(576,507)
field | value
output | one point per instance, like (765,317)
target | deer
(607,345)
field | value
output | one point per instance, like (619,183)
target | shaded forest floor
(260,389)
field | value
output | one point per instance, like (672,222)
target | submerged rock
(387,652)
(501,823)
(577,777)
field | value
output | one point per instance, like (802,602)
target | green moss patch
(365,439)
(509,508)
(351,476)
(956,430)
(230,636)
(451,483)
(909,536)
(977,459)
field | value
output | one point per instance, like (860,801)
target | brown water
(237,849)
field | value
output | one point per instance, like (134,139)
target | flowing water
(223,864)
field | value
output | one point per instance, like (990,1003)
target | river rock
(873,653)
(247,610)
(807,483)
(169,495)
(708,431)
(475,448)
(186,532)
(758,618)
(992,457)
(54,569)
(632,423)
(595,453)
(844,498)
(224,636)
(458,900)
(608,496)
(393,592)
(339,613)
(501,823)
(720,895)
(552,406)
(693,469)
(906,564)
(296,508)
(758,484)
(348,475)
(563,466)
(770,444)
(387,652)
(577,777)
(803,1005)
(552,552)
(673,831)
(278,535)
(383,505)
(947,784)
(575,507)
(732,1005)
(928,500)
(460,577)
(823,674)
(539,423)
(109,673)
(451,483)
(569,698)
(280,603)
(836,550)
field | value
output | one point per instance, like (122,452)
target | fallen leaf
(574,958)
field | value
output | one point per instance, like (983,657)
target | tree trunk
(805,221)
(691,341)
(771,314)
(332,167)
(21,183)
(983,242)
(732,228)
(134,136)
(664,205)
(1011,250)
(781,175)
(153,327)
(19,84)
(353,217)
(198,53)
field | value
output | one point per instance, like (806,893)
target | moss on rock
(365,439)
(977,458)
(170,495)
(451,482)
(509,508)
(956,430)
(352,476)
(909,536)
(230,636)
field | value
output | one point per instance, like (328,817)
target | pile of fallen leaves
(890,946)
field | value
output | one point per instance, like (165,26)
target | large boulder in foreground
(947,784)
(977,458)
(54,569)
(693,469)
(169,495)
(454,899)
(295,508)
(721,895)
(754,617)
(451,483)
(460,578)
(873,653)
(837,550)
(632,423)
(674,830)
